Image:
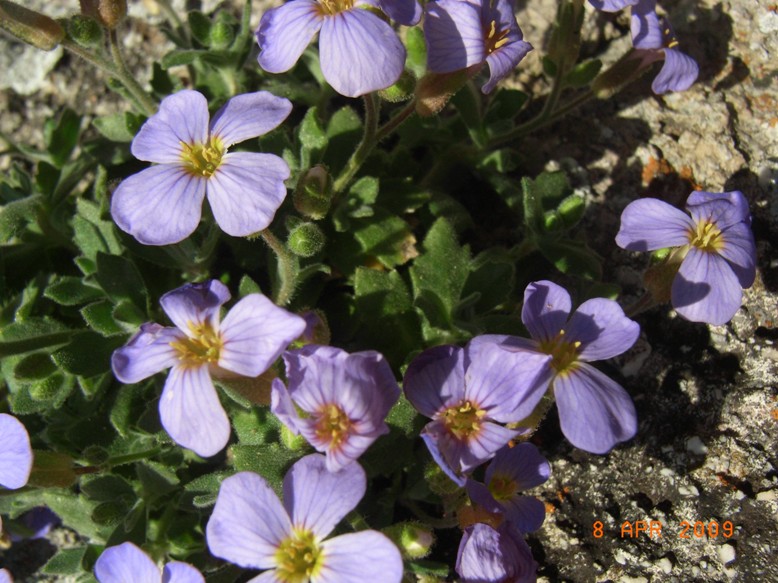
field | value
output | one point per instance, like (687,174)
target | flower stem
(287,268)
(365,146)
(126,78)
(129,458)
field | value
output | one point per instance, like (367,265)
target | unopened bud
(109,13)
(313,195)
(52,470)
(222,33)
(306,240)
(32,27)
(414,539)
(658,278)
(402,90)
(85,30)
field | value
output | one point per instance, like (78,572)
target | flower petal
(358,557)
(454,35)
(5,575)
(678,73)
(602,329)
(359,53)
(740,250)
(445,450)
(484,444)
(405,12)
(612,5)
(317,499)
(595,412)
(486,555)
(255,332)
(125,562)
(649,224)
(248,522)
(248,116)
(646,26)
(522,463)
(526,512)
(722,208)
(160,205)
(15,453)
(545,310)
(182,118)
(191,413)
(706,289)
(284,32)
(267,577)
(246,191)
(435,379)
(195,304)
(504,60)
(178,572)
(281,406)
(145,354)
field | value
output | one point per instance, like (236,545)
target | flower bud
(222,33)
(658,278)
(85,30)
(414,539)
(52,470)
(306,240)
(109,13)
(313,195)
(291,441)
(402,90)
(32,27)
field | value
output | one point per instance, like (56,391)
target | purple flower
(487,555)
(162,204)
(15,453)
(654,40)
(715,246)
(35,523)
(595,413)
(344,399)
(126,562)
(467,393)
(466,33)
(252,528)
(512,470)
(5,576)
(251,337)
(358,50)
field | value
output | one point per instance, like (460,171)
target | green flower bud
(32,27)
(414,539)
(313,195)
(86,31)
(400,91)
(96,455)
(291,441)
(222,35)
(658,278)
(306,240)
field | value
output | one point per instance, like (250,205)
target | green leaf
(270,461)
(311,134)
(181,57)
(381,293)
(93,234)
(417,51)
(36,366)
(71,291)
(106,487)
(200,25)
(572,257)
(32,334)
(62,136)
(156,479)
(552,188)
(492,277)
(66,562)
(119,127)
(583,73)
(16,215)
(120,279)
(205,488)
(99,317)
(88,354)
(532,206)
(386,237)
(75,512)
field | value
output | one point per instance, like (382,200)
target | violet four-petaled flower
(15,453)
(358,50)
(344,398)
(468,394)
(513,470)
(654,40)
(251,337)
(465,33)
(499,555)
(715,246)
(253,529)
(126,563)
(163,204)
(595,412)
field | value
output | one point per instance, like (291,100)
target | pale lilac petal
(178,572)
(649,224)
(483,445)
(359,53)
(5,575)
(526,512)
(124,563)
(191,413)
(507,383)
(268,577)
(602,329)
(595,412)
(487,555)
(545,310)
(435,379)
(359,557)
(706,289)
(255,332)
(146,353)
(284,32)
(739,249)
(15,453)
(522,463)
(646,26)
(248,522)
(678,73)
(479,494)
(445,450)
(478,343)
(454,34)
(405,12)
(281,406)
(248,116)
(318,499)
(352,448)
(195,304)
(246,191)
(725,209)
(182,118)
(612,5)
(504,60)
(160,205)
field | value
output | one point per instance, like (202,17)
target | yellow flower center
(495,38)
(706,237)
(564,354)
(203,347)
(503,488)
(463,420)
(330,7)
(332,425)
(298,557)
(203,159)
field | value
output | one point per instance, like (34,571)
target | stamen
(503,488)
(564,354)
(463,420)
(202,159)
(203,347)
(298,557)
(494,38)
(706,236)
(332,425)
(330,7)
